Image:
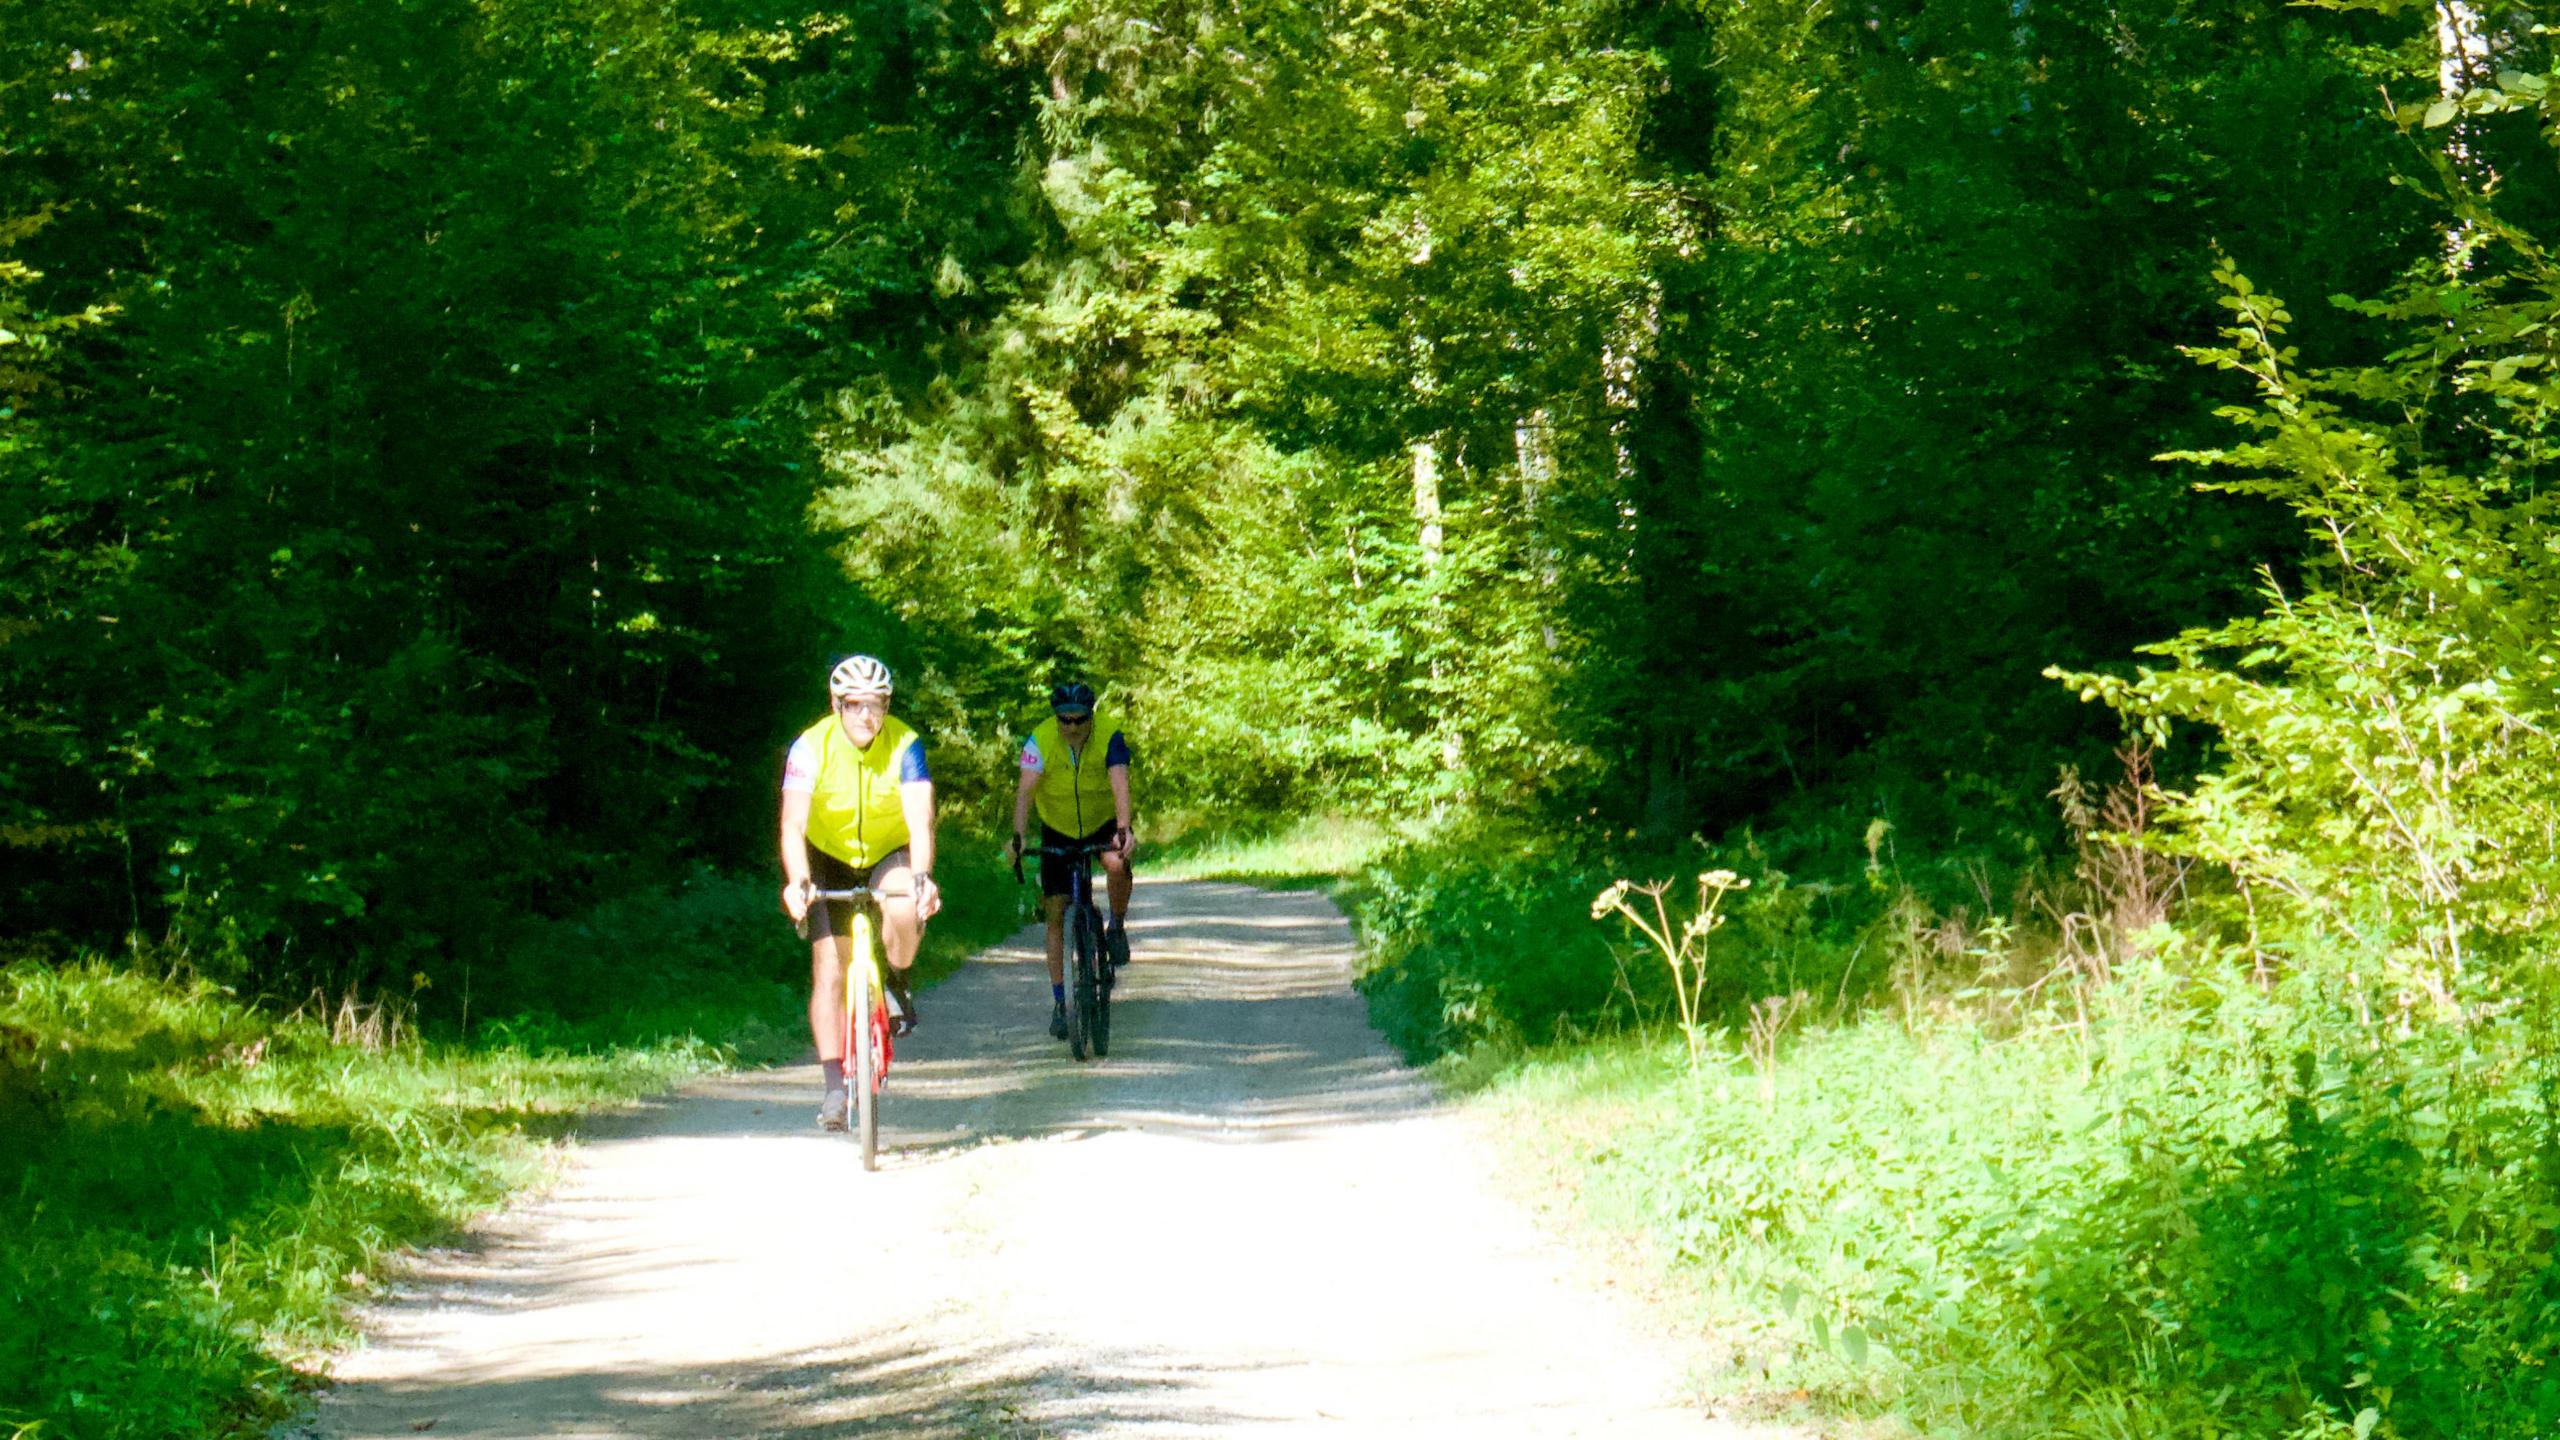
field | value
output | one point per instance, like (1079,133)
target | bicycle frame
(868,1009)
(1088,1018)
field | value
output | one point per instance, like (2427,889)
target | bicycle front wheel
(1099,1028)
(862,1046)
(1083,988)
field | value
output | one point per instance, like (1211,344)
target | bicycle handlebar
(857,895)
(1072,850)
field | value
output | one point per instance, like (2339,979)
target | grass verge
(202,1185)
(2172,1203)
(1306,853)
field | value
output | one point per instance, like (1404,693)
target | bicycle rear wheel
(862,1044)
(1081,989)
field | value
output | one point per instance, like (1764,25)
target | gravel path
(1250,1220)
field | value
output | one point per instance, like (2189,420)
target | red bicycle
(867,998)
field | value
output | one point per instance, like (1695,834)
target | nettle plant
(2388,728)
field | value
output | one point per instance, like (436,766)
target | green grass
(1310,852)
(1952,1205)
(200,1186)
(2212,1213)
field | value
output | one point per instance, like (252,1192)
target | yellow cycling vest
(1074,792)
(856,814)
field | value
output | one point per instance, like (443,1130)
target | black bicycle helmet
(1071,697)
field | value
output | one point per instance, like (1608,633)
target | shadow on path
(1235,1023)
(919,1391)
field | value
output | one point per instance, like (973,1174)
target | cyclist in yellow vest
(857,809)
(1075,771)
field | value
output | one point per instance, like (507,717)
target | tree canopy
(443,447)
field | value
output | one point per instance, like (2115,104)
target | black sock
(835,1074)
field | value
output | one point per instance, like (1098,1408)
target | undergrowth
(203,1184)
(2015,1160)
(2200,1216)
(1305,852)
(200,1185)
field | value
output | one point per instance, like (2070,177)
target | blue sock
(1058,994)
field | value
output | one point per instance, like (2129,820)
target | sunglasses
(1075,719)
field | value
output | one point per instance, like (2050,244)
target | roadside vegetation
(1963,1169)
(1297,852)
(200,1185)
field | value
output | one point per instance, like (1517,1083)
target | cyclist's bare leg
(900,931)
(827,959)
(1119,882)
(1056,908)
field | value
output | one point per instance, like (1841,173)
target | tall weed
(1482,939)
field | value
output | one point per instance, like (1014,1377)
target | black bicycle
(1089,977)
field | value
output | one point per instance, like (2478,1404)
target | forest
(2039,502)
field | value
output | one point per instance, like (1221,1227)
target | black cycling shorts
(836,916)
(1057,870)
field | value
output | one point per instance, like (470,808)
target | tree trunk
(1666,780)
(1426,503)
(1426,517)
(2462,59)
(1533,448)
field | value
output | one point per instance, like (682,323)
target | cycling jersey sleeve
(800,769)
(1032,763)
(911,767)
(1118,754)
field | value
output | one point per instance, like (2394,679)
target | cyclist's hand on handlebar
(928,897)
(1013,848)
(1124,839)
(796,899)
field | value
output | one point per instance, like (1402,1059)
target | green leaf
(2366,1419)
(2441,113)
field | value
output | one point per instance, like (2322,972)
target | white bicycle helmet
(857,676)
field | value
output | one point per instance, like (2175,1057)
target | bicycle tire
(861,1044)
(1080,982)
(1102,980)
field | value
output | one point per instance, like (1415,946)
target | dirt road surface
(1251,1220)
